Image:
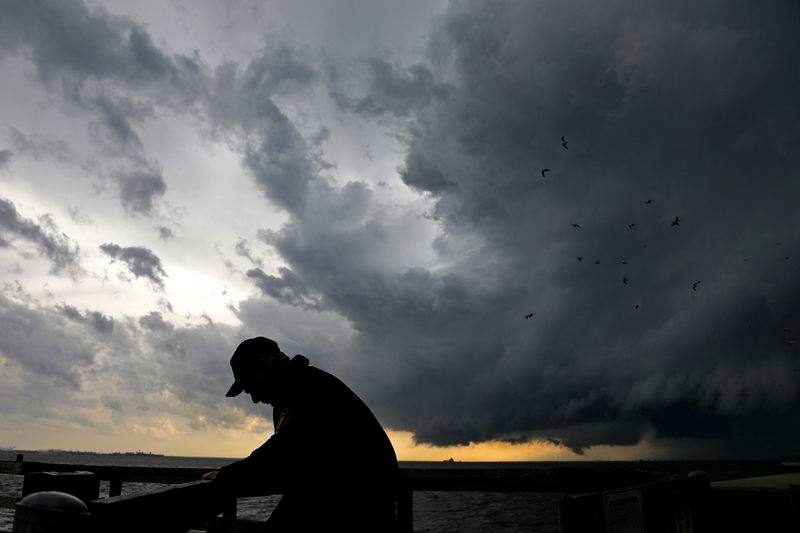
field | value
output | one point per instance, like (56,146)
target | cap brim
(235,390)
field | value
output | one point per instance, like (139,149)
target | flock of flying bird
(675,222)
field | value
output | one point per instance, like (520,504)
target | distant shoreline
(80,452)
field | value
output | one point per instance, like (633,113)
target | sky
(545,230)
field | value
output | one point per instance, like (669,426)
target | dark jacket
(329,457)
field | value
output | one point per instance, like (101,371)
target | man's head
(259,368)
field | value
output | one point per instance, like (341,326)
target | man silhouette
(329,455)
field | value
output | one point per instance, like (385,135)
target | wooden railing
(191,503)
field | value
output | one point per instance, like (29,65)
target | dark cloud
(102,63)
(50,242)
(140,261)
(71,312)
(164,233)
(100,322)
(288,288)
(391,90)
(155,322)
(241,105)
(139,190)
(421,174)
(116,116)
(95,319)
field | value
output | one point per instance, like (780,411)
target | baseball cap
(245,357)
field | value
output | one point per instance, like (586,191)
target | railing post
(115,486)
(405,509)
(19,457)
(229,507)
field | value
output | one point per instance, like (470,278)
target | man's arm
(268,468)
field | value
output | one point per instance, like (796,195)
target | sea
(434,512)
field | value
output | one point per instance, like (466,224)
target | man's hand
(210,476)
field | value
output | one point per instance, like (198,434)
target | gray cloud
(139,190)
(48,239)
(390,91)
(155,322)
(39,147)
(35,339)
(111,403)
(243,250)
(140,261)
(288,288)
(71,312)
(98,321)
(77,215)
(5,158)
(164,233)
(108,66)
(61,358)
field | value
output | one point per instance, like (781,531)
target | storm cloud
(140,261)
(623,346)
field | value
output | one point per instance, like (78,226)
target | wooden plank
(173,508)
(567,479)
(142,474)
(778,483)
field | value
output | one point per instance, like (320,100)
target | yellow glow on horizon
(498,451)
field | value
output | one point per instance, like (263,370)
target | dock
(598,500)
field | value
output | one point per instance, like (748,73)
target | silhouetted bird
(576,225)
(637,306)
(596,261)
(676,222)
(644,246)
(545,170)
(564,143)
(624,281)
(648,202)
(631,226)
(580,258)
(695,284)
(787,257)
(529,315)
(623,262)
